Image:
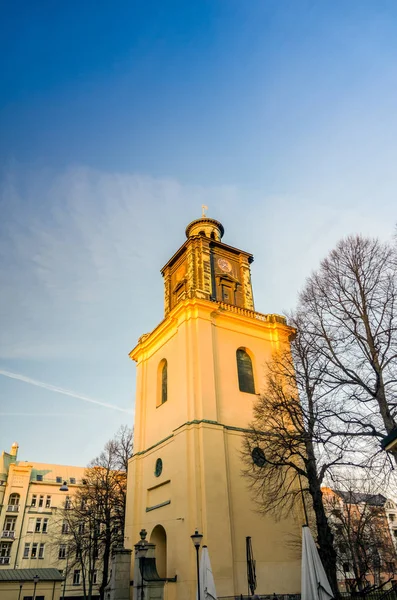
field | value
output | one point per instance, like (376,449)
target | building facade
(364,527)
(32,533)
(198,375)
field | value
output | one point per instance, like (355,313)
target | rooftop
(29,574)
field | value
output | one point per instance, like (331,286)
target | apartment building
(365,537)
(32,498)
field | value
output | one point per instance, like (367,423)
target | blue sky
(117,121)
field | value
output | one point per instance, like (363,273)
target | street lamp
(196,539)
(64,487)
(36,580)
(141,555)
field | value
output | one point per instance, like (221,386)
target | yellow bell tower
(198,374)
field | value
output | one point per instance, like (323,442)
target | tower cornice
(197,307)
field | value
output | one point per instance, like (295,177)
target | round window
(258,456)
(158,468)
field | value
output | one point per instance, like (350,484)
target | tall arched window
(14,499)
(162,393)
(245,372)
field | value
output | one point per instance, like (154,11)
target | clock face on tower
(224,265)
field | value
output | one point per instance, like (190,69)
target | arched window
(245,372)
(162,394)
(14,499)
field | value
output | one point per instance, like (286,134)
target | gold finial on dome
(204,208)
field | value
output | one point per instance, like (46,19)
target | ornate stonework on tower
(204,267)
(198,375)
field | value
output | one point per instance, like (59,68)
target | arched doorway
(159,537)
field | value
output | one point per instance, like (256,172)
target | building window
(162,382)
(62,551)
(41,550)
(34,500)
(346,567)
(94,576)
(34,550)
(48,502)
(41,501)
(39,478)
(227,294)
(72,480)
(81,527)
(13,500)
(26,550)
(58,479)
(65,527)
(67,503)
(76,577)
(392,517)
(45,526)
(5,549)
(9,524)
(38,526)
(245,372)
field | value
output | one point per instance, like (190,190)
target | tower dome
(205,226)
(14,449)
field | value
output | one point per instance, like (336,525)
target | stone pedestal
(119,586)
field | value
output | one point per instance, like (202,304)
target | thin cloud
(36,414)
(59,390)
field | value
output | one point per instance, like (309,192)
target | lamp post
(196,539)
(141,555)
(36,580)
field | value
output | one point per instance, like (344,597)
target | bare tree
(121,447)
(351,309)
(294,441)
(106,489)
(92,520)
(78,540)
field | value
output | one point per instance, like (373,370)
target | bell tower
(204,267)
(198,375)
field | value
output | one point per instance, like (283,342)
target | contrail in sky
(59,390)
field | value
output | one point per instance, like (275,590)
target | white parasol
(207,584)
(315,585)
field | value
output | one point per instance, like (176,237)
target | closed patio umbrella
(207,584)
(315,585)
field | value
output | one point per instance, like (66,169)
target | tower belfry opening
(198,374)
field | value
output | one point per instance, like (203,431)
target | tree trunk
(105,572)
(325,537)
